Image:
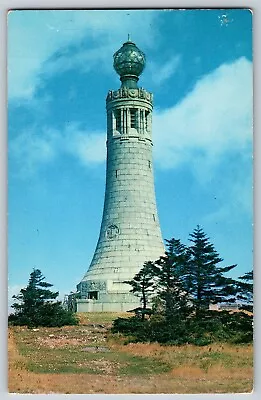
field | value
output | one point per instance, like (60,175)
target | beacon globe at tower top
(129,61)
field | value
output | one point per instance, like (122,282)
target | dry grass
(230,363)
(101,318)
(132,368)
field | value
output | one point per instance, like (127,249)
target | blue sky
(199,68)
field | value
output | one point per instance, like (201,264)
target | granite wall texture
(130,232)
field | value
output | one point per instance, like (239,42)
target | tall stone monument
(130,231)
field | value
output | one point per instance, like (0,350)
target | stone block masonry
(130,231)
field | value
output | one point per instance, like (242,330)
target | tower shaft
(130,233)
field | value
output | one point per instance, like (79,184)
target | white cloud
(234,195)
(34,36)
(242,191)
(40,146)
(88,148)
(213,119)
(32,148)
(161,73)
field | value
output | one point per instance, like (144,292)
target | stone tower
(130,231)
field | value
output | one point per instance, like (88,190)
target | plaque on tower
(112,231)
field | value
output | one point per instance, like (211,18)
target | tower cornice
(130,94)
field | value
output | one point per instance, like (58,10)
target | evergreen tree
(143,285)
(170,273)
(245,291)
(35,305)
(205,280)
(186,280)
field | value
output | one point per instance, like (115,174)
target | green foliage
(35,305)
(134,327)
(143,285)
(214,327)
(170,276)
(205,280)
(185,281)
(141,312)
(245,291)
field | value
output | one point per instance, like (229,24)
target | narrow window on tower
(133,118)
(116,173)
(147,120)
(149,164)
(154,219)
(118,120)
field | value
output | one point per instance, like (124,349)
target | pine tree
(171,272)
(35,305)
(143,285)
(205,280)
(186,280)
(245,291)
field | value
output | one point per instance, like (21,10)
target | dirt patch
(92,333)
(102,366)
(96,349)
(54,342)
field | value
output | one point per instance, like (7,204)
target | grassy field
(89,359)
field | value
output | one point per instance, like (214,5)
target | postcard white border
(5,5)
